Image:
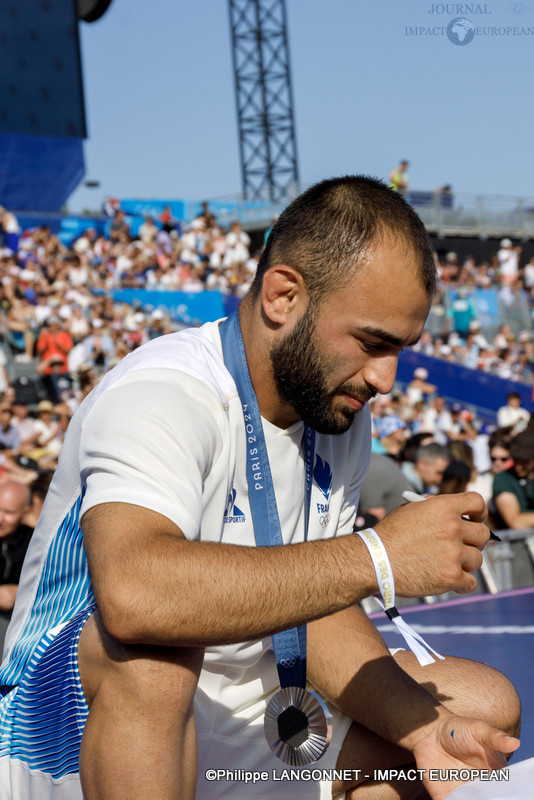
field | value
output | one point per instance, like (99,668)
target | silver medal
(298,726)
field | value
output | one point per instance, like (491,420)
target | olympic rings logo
(288,662)
(324,520)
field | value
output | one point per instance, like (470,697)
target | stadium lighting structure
(267,141)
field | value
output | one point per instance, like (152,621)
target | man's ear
(283,293)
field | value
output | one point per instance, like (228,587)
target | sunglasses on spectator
(499,458)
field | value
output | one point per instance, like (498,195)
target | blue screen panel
(41,89)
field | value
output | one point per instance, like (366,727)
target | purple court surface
(495,629)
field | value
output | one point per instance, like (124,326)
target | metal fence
(484,216)
(444,214)
(455,214)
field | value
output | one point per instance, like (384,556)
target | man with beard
(196,452)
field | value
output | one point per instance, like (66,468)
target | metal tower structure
(267,143)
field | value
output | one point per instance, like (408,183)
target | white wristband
(386,584)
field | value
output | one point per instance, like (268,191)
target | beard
(301,374)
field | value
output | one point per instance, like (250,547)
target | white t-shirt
(164,430)
(508,261)
(516,417)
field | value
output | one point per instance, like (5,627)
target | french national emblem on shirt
(322,475)
(232,513)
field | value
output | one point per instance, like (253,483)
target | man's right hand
(432,548)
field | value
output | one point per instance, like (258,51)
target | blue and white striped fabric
(64,587)
(42,719)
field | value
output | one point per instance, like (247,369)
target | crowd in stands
(61,325)
(430,448)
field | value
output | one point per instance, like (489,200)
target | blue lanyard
(289,646)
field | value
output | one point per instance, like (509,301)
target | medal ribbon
(289,646)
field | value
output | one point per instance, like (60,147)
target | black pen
(413,497)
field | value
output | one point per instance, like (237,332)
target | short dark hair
(325,232)
(431,452)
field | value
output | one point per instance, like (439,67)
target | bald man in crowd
(14,540)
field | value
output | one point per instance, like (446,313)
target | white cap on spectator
(506,242)
(81,245)
(420,373)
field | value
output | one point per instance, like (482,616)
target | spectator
(54,344)
(148,231)
(391,434)
(25,425)
(9,435)
(504,339)
(382,487)
(461,451)
(513,415)
(508,258)
(462,312)
(437,420)
(78,274)
(50,434)
(238,243)
(98,347)
(168,223)
(14,540)
(9,229)
(412,445)
(398,178)
(157,324)
(426,474)
(418,388)
(22,327)
(528,274)
(86,382)
(119,229)
(78,324)
(499,451)
(455,478)
(513,489)
(462,424)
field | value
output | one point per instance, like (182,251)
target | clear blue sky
(161,114)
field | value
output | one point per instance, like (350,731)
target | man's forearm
(349,663)
(154,587)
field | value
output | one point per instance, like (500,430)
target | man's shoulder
(194,351)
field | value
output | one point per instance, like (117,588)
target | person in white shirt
(238,243)
(144,596)
(513,414)
(508,258)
